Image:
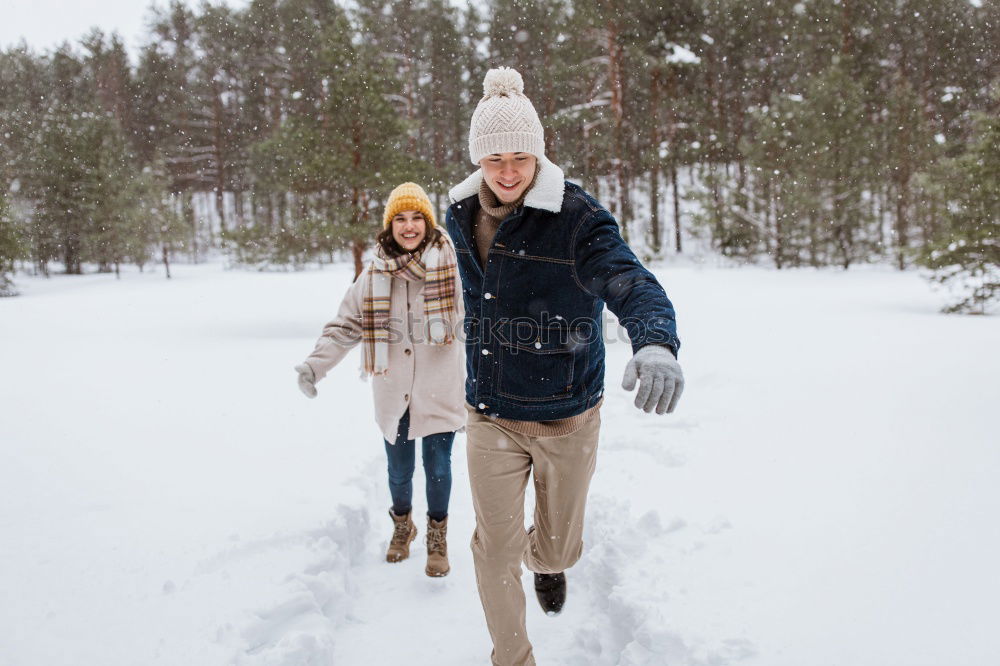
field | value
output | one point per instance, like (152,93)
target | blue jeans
(437,469)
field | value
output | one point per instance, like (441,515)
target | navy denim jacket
(534,344)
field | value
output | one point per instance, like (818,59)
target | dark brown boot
(551,592)
(437,548)
(403,533)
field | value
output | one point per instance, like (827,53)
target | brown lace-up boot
(403,532)
(437,548)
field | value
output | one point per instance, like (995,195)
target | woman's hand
(307,380)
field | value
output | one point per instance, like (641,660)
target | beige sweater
(427,379)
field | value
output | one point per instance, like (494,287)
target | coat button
(487,295)
(407,352)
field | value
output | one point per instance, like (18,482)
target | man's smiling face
(508,175)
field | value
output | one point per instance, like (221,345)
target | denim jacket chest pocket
(536,369)
(538,287)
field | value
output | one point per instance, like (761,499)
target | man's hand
(661,381)
(307,380)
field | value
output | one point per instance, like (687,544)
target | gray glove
(661,381)
(307,380)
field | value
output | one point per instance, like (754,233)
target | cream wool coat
(427,379)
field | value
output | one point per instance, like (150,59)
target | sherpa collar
(545,194)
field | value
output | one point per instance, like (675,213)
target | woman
(403,309)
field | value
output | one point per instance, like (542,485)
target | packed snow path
(826,493)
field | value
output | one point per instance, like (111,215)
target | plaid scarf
(436,267)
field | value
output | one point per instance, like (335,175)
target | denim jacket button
(487,295)
(482,406)
(486,352)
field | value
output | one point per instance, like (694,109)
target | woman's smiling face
(409,229)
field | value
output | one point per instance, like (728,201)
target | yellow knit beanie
(408,196)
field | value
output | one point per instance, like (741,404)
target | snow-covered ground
(827,493)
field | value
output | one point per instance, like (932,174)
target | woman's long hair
(391,248)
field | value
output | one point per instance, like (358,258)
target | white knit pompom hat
(505,121)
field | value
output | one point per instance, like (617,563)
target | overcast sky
(46,23)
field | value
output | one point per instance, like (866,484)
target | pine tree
(109,235)
(107,72)
(340,146)
(79,168)
(836,160)
(612,27)
(666,50)
(177,109)
(365,128)
(219,79)
(430,60)
(155,223)
(907,141)
(26,83)
(10,246)
(444,106)
(783,195)
(965,253)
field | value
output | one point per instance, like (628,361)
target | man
(539,258)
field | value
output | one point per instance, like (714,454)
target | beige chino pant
(500,462)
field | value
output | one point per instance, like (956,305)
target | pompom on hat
(505,120)
(408,196)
